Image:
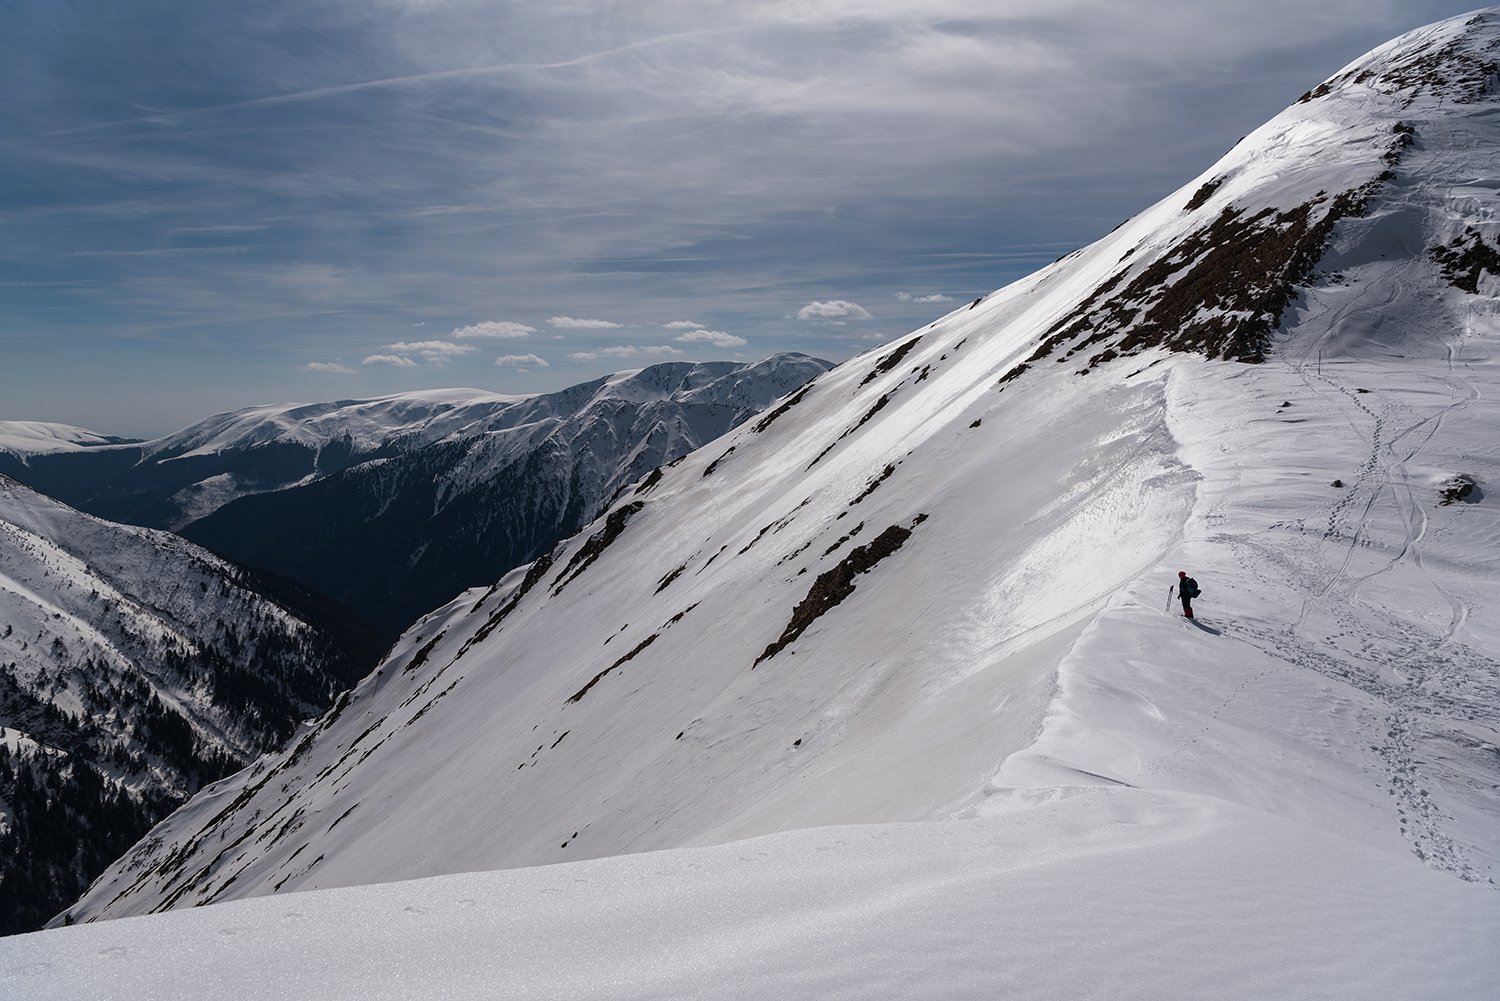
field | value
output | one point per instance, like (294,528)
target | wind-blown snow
(1049,902)
(24,439)
(1296,794)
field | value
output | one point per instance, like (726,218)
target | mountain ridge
(395,504)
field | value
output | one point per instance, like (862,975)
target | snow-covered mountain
(20,440)
(134,667)
(395,537)
(168,482)
(395,505)
(933,585)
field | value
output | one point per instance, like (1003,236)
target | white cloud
(624,351)
(717,338)
(682,325)
(572,324)
(395,360)
(326,366)
(494,328)
(903,296)
(435,347)
(521,361)
(832,309)
(934,297)
(435,352)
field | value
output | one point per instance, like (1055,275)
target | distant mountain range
(394,505)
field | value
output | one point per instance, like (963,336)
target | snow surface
(24,439)
(424,416)
(1294,795)
(1096,893)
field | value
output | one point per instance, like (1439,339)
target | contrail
(395,81)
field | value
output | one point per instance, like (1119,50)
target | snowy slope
(23,439)
(932,585)
(141,660)
(1048,904)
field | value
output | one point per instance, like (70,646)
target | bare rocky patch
(595,546)
(643,644)
(1450,70)
(833,586)
(1459,488)
(892,359)
(1463,260)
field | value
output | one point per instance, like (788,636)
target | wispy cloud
(396,360)
(494,328)
(568,323)
(521,361)
(930,297)
(161,252)
(624,351)
(833,309)
(682,325)
(717,338)
(329,366)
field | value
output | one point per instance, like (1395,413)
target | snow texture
(24,439)
(1091,894)
(1059,786)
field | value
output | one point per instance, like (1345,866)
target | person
(1187,590)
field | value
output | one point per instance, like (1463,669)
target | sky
(206,205)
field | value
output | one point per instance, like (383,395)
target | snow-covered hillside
(24,439)
(932,585)
(395,505)
(1102,893)
(134,666)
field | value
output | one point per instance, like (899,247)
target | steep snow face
(134,666)
(933,583)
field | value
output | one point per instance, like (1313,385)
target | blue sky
(206,205)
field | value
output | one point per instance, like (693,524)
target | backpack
(1189,588)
